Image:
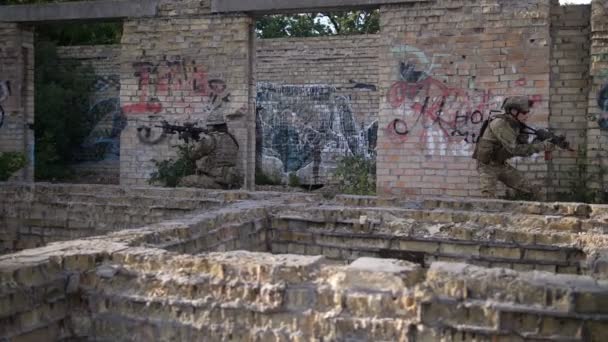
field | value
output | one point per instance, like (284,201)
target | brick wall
(17,67)
(570,27)
(459,59)
(181,68)
(33,216)
(322,90)
(597,129)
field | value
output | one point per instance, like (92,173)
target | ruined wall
(570,31)
(132,285)
(317,100)
(17,94)
(444,67)
(33,216)
(427,82)
(184,66)
(597,130)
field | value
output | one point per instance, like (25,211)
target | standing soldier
(502,137)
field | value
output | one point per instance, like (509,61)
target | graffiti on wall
(184,83)
(5,92)
(443,119)
(103,83)
(303,129)
(108,121)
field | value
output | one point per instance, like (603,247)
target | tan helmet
(520,103)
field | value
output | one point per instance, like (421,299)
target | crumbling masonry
(255,266)
(129,262)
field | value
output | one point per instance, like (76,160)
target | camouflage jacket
(502,139)
(216,151)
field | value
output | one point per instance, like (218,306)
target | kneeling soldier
(502,137)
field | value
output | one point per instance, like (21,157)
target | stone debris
(284,266)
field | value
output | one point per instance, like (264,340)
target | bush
(356,175)
(10,162)
(263,179)
(582,176)
(61,103)
(170,172)
(294,180)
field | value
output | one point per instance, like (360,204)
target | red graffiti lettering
(521,82)
(536,98)
(454,112)
(436,104)
(176,80)
(143,108)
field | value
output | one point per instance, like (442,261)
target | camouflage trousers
(490,174)
(216,178)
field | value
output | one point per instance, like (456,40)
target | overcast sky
(574,1)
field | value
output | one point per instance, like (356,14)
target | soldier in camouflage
(502,138)
(216,156)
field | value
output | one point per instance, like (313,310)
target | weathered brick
(501,252)
(591,302)
(418,246)
(459,249)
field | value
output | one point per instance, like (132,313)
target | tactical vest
(225,152)
(489,151)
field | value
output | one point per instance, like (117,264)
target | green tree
(66,34)
(62,100)
(354,22)
(318,24)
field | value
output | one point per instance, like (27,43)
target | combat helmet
(520,103)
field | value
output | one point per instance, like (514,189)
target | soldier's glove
(543,134)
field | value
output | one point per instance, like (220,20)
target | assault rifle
(544,135)
(188,131)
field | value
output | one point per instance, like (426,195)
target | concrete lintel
(80,10)
(283,6)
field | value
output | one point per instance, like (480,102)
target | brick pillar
(597,132)
(569,89)
(184,68)
(17,71)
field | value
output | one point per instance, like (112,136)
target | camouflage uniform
(216,156)
(501,140)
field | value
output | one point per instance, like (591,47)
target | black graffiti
(462,124)
(272,92)
(469,137)
(400,127)
(103,141)
(102,83)
(297,124)
(145,135)
(365,86)
(409,73)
